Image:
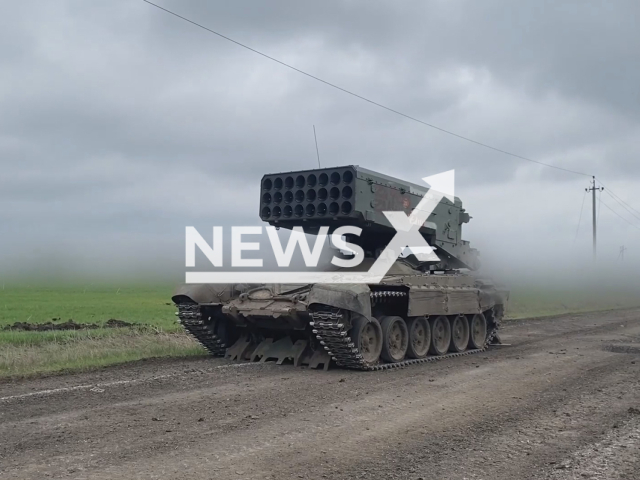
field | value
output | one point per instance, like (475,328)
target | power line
(448,132)
(624,202)
(632,224)
(617,197)
(584,197)
(628,209)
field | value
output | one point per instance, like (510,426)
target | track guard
(352,297)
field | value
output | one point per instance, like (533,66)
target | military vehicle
(419,312)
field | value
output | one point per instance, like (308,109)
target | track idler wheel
(395,339)
(459,334)
(419,337)
(367,338)
(440,335)
(477,331)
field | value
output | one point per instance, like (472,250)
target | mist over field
(122,125)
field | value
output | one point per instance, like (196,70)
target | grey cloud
(120,123)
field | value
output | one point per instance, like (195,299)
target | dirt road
(562,402)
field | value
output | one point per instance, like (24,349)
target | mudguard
(353,297)
(205,293)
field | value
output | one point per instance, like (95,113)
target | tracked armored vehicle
(420,311)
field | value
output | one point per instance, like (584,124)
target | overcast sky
(120,124)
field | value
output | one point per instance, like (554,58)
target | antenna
(316,139)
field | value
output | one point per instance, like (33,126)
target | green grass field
(27,353)
(88,304)
(527,302)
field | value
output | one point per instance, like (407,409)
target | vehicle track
(332,333)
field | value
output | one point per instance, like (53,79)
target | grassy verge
(83,352)
(158,334)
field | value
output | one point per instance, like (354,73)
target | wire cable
(448,132)
(625,203)
(628,208)
(632,224)
(614,194)
(580,217)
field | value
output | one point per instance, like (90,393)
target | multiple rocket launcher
(352,195)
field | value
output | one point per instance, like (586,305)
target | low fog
(122,125)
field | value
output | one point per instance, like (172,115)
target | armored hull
(409,317)
(420,311)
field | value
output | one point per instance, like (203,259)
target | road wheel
(459,334)
(367,338)
(419,337)
(478,331)
(395,339)
(440,335)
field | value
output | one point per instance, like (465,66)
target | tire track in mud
(99,387)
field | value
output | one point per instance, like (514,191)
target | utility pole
(593,190)
(621,256)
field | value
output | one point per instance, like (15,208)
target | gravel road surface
(561,402)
